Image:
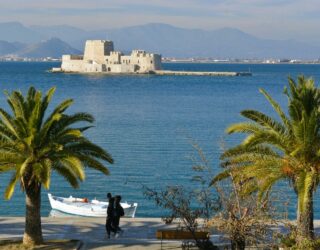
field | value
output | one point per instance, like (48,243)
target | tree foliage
(34,143)
(287,148)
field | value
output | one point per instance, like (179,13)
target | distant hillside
(179,42)
(53,47)
(168,40)
(16,32)
(221,43)
(7,48)
(71,35)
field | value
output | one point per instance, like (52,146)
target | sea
(150,124)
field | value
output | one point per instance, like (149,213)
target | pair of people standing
(114,212)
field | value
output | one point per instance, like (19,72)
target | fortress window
(151,62)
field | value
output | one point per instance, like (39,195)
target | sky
(274,19)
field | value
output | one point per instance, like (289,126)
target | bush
(289,241)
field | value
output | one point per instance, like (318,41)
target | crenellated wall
(99,56)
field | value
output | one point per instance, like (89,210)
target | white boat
(85,207)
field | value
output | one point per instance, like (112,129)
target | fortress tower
(96,50)
(99,56)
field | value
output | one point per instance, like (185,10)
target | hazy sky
(280,19)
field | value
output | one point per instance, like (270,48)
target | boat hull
(82,207)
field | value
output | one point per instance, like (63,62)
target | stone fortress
(99,56)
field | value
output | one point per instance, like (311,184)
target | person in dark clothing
(110,216)
(109,196)
(117,213)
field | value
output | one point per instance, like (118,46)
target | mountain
(221,43)
(7,47)
(168,40)
(16,32)
(66,33)
(53,47)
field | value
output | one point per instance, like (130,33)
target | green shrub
(308,244)
(289,241)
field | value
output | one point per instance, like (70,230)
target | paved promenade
(139,233)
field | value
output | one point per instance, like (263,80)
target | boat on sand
(85,207)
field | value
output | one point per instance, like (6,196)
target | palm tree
(33,145)
(287,148)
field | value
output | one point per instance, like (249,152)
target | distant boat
(85,207)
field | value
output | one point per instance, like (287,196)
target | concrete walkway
(139,233)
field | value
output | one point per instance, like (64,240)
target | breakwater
(201,73)
(167,72)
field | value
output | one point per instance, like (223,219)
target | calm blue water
(146,122)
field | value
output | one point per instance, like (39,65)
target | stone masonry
(99,56)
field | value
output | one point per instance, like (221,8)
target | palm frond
(42,172)
(269,138)
(44,105)
(278,109)
(8,121)
(86,147)
(94,164)
(67,120)
(67,174)
(24,166)
(263,150)
(59,110)
(17,103)
(221,176)
(7,167)
(7,133)
(305,186)
(7,157)
(73,164)
(264,120)
(244,127)
(266,184)
(11,186)
(45,176)
(34,114)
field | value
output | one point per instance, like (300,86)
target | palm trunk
(305,217)
(33,231)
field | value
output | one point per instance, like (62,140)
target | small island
(100,57)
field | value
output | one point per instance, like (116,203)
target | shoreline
(187,62)
(241,62)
